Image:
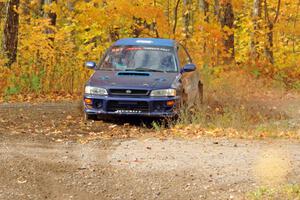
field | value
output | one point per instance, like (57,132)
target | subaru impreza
(142,77)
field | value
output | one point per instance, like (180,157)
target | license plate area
(128,106)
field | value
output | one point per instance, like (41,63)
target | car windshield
(139,58)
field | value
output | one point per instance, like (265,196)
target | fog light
(98,104)
(170,103)
(89,107)
(88,101)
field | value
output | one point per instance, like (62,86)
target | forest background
(44,43)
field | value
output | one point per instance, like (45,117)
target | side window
(182,56)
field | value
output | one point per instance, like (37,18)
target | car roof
(145,41)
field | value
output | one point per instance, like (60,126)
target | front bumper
(130,106)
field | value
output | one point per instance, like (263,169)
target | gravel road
(41,158)
(144,169)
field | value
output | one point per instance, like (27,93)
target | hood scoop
(104,78)
(133,74)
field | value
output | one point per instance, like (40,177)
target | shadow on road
(145,122)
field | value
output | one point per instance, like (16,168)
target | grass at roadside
(237,122)
(288,192)
(235,105)
(240,106)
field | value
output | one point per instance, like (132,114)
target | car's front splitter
(149,114)
(152,111)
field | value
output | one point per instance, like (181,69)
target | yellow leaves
(38,42)
(4,73)
(51,8)
(228,30)
(85,29)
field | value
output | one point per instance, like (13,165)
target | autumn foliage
(55,38)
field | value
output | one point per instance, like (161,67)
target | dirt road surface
(48,152)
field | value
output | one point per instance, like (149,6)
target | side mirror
(90,65)
(188,68)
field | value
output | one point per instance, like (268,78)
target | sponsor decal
(115,50)
(128,111)
(134,48)
(157,49)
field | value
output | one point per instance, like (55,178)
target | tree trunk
(217,8)
(204,8)
(226,18)
(256,16)
(269,47)
(2,8)
(270,28)
(187,17)
(176,16)
(11,29)
(51,15)
(167,12)
(294,25)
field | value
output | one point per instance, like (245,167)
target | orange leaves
(4,73)
(85,29)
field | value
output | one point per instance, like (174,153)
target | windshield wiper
(145,70)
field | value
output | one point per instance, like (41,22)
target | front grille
(140,106)
(128,92)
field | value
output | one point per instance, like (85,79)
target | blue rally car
(142,77)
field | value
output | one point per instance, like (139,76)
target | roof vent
(144,41)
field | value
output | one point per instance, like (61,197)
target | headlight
(163,93)
(95,90)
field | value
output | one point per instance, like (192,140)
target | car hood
(141,80)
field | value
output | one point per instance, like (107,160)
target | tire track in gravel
(144,169)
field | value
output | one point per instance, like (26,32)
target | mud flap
(193,90)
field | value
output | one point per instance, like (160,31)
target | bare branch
(266,11)
(176,16)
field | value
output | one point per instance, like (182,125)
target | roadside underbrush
(238,105)
(284,192)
